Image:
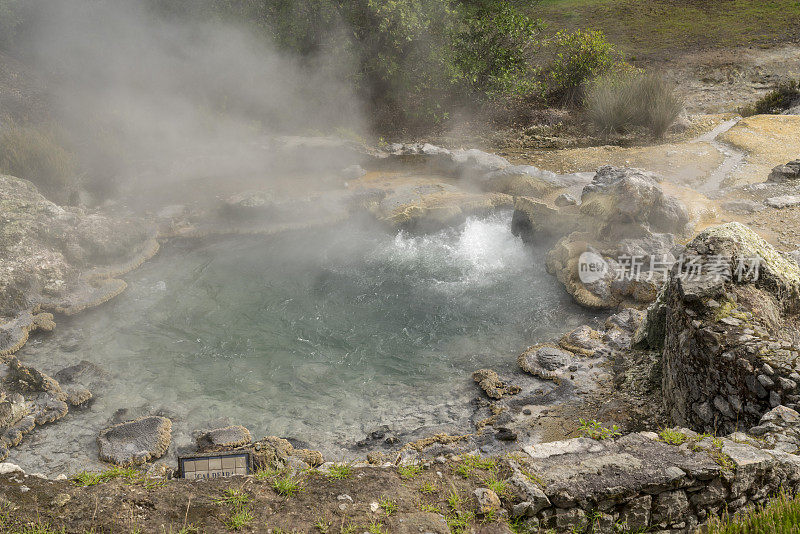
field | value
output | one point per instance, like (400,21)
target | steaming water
(321,336)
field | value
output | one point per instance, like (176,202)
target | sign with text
(216,465)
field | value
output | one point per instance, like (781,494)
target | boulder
(622,199)
(546,361)
(135,442)
(625,223)
(486,500)
(785,173)
(230,436)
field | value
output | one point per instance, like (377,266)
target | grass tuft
(594,430)
(340,472)
(619,104)
(779,516)
(409,472)
(287,486)
(672,437)
(389,506)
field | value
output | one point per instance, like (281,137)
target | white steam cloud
(177,99)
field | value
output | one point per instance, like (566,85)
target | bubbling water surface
(319,335)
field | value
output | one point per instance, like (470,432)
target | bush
(782,97)
(620,102)
(493,52)
(35,154)
(413,61)
(579,57)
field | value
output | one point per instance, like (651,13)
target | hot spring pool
(320,336)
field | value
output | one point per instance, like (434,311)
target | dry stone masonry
(730,334)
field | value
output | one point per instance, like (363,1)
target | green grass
(239,518)
(500,487)
(427,488)
(660,27)
(593,429)
(234,497)
(409,472)
(389,506)
(779,516)
(472,462)
(340,472)
(672,437)
(287,486)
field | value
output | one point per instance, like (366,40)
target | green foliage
(340,472)
(409,472)
(376,527)
(593,429)
(427,488)
(494,48)
(389,506)
(412,61)
(500,487)
(239,518)
(620,102)
(781,98)
(35,154)
(580,56)
(323,525)
(672,437)
(287,486)
(779,516)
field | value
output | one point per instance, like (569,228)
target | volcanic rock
(135,442)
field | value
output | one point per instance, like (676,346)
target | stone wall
(639,482)
(729,342)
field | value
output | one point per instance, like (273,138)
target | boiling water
(320,336)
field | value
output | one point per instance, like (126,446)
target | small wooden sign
(214,465)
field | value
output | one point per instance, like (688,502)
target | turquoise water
(320,335)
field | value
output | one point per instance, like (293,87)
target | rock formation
(58,259)
(135,442)
(727,322)
(624,216)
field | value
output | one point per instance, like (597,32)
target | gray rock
(546,361)
(635,516)
(784,201)
(135,442)
(230,436)
(565,199)
(785,173)
(670,507)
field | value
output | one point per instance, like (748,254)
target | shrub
(782,97)
(413,61)
(493,51)
(579,57)
(35,154)
(619,103)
